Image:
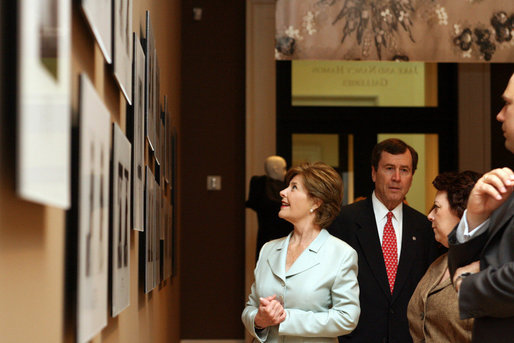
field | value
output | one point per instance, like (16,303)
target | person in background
(264,199)
(305,287)
(433,311)
(394,243)
(481,254)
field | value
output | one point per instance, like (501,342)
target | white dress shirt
(463,233)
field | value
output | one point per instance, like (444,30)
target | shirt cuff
(463,233)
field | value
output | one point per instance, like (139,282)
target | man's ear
(373,174)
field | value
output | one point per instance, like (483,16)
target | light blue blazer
(320,291)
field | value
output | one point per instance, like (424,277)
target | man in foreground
(481,255)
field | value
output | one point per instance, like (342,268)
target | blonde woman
(305,287)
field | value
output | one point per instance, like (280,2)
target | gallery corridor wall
(34,295)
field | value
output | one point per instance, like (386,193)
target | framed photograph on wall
(173,194)
(167,141)
(120,220)
(138,135)
(43,102)
(148,235)
(164,157)
(168,243)
(158,111)
(99,16)
(151,107)
(93,212)
(157,237)
(123,47)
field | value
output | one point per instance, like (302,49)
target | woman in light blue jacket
(305,287)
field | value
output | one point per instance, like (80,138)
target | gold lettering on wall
(359,83)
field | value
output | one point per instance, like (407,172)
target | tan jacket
(433,311)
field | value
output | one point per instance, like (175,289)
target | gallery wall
(213,139)
(36,290)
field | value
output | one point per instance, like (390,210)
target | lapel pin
(413,238)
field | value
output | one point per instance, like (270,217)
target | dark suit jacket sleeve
(461,254)
(488,293)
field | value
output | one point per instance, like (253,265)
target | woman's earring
(311,210)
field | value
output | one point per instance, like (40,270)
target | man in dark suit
(383,230)
(481,255)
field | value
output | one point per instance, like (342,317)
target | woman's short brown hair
(322,182)
(457,186)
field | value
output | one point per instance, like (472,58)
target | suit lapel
(407,253)
(277,259)
(309,257)
(369,241)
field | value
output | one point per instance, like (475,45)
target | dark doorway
(363,124)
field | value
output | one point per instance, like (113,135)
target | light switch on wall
(213,182)
(197,13)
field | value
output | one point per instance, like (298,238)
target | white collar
(381,211)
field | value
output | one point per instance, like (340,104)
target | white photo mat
(120,219)
(123,47)
(99,16)
(93,212)
(44,116)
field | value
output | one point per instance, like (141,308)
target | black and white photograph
(151,107)
(149,234)
(122,47)
(99,16)
(138,134)
(158,111)
(120,219)
(43,103)
(93,212)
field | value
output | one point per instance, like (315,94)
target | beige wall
(32,237)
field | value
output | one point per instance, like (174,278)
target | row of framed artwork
(104,175)
(109,187)
(44,89)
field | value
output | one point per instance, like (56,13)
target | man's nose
(499,116)
(396,174)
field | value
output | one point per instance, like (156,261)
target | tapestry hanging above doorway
(402,30)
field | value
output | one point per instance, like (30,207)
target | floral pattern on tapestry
(402,30)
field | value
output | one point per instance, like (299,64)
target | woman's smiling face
(296,202)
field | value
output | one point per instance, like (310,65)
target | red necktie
(390,251)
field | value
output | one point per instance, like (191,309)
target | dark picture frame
(147,246)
